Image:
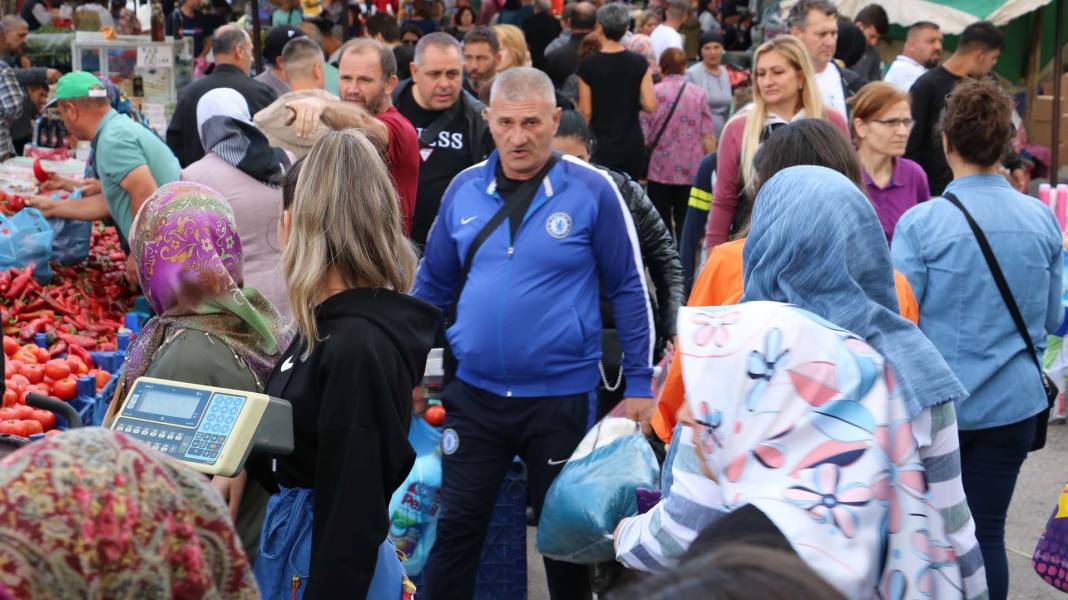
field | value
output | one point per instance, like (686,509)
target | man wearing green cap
(130,161)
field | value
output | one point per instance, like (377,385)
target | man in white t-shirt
(923,51)
(666,35)
(815,23)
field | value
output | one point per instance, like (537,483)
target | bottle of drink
(138,86)
(159,30)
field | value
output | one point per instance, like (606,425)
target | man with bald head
(233,60)
(522,310)
(562,59)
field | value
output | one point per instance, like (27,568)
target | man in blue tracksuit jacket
(527,331)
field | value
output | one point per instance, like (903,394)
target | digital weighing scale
(212,430)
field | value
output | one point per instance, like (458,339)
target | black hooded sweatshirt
(351,410)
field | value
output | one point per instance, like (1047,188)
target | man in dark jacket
(452,133)
(233,59)
(540,30)
(562,62)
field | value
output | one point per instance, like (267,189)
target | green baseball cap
(80,84)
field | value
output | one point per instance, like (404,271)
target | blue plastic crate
(502,572)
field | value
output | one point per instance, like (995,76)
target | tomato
(57,369)
(435,415)
(19,381)
(32,426)
(46,418)
(42,354)
(34,373)
(10,345)
(77,366)
(8,414)
(23,412)
(25,356)
(65,389)
(102,379)
(12,427)
(10,397)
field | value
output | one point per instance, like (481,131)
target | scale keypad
(214,428)
(202,444)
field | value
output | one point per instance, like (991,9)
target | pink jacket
(729,177)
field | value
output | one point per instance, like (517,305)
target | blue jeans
(990,460)
(284,559)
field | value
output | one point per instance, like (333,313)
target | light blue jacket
(961,310)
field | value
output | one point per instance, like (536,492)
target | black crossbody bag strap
(506,210)
(999,280)
(671,113)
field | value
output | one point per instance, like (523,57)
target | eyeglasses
(894,123)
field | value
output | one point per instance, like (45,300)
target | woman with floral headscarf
(93,514)
(209,330)
(838,424)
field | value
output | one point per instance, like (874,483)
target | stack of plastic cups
(1045,198)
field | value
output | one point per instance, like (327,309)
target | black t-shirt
(199,26)
(522,191)
(615,84)
(442,160)
(540,30)
(925,142)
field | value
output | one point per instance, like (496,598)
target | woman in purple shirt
(882,120)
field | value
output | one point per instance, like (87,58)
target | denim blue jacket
(961,310)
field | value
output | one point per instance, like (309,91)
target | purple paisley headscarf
(189,265)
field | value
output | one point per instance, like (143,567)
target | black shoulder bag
(647,154)
(1042,419)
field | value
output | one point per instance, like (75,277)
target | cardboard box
(1041,132)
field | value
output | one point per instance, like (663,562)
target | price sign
(155,57)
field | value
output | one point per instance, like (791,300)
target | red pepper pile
(80,311)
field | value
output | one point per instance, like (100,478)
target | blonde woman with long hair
(514,52)
(785,91)
(361,347)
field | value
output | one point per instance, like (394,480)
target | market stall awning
(952,15)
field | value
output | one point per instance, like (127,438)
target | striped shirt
(11,104)
(691,501)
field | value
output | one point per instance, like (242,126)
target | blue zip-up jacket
(528,322)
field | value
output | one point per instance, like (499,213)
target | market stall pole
(256,44)
(1057,69)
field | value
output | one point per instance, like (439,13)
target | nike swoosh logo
(287,364)
(468,220)
(553,463)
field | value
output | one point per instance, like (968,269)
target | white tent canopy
(952,15)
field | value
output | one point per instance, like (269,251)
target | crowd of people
(563,196)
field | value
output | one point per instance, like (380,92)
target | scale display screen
(167,404)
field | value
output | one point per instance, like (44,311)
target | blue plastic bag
(26,240)
(416,505)
(595,491)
